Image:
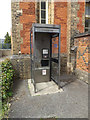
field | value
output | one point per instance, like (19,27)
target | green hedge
(6,82)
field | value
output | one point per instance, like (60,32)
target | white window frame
(46,10)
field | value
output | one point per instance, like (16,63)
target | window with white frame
(43,12)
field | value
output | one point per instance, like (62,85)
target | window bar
(59,57)
(34,58)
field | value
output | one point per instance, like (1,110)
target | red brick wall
(27,18)
(60,18)
(82,61)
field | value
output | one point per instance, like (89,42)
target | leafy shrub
(6,81)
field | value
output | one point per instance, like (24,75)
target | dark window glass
(43,21)
(87,9)
(86,30)
(87,25)
(43,14)
(43,5)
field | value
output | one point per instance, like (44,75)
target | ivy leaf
(10,93)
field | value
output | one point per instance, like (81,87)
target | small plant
(6,83)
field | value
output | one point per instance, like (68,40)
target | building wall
(71,17)
(82,57)
(60,18)
(26,13)
(16,27)
(77,19)
(21,65)
(27,18)
(5,52)
(75,25)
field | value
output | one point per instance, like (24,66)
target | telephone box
(45,53)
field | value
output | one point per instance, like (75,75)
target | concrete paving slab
(43,88)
